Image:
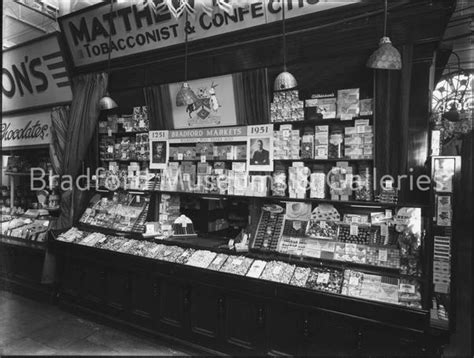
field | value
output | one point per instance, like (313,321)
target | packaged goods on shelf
(184,257)
(269,229)
(169,211)
(286,106)
(298,180)
(358,140)
(278,271)
(364,190)
(336,142)
(170,253)
(286,143)
(322,229)
(366,107)
(26,228)
(340,181)
(256,269)
(307,145)
(218,262)
(279,181)
(324,107)
(72,235)
(325,279)
(321,142)
(237,265)
(347,103)
(371,287)
(325,212)
(300,276)
(201,258)
(258,186)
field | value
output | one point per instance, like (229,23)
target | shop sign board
(31,129)
(34,75)
(137,27)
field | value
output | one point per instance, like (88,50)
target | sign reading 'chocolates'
(26,130)
(139,27)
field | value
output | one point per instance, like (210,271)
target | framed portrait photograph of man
(260,154)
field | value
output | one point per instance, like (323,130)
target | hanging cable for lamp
(285,80)
(106,102)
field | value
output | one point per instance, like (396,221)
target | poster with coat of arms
(208,102)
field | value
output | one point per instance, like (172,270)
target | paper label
(354,230)
(203,158)
(230,156)
(388,214)
(180,156)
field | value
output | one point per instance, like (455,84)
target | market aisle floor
(29,327)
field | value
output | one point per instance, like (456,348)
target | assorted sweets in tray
(346,282)
(122,212)
(323,233)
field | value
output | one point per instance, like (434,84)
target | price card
(203,158)
(323,278)
(323,224)
(141,123)
(388,214)
(286,133)
(382,255)
(354,230)
(110,149)
(180,156)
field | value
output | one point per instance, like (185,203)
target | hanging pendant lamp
(285,80)
(386,57)
(106,102)
(185,95)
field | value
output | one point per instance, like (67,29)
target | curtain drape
(158,100)
(59,128)
(251,93)
(87,91)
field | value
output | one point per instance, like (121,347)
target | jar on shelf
(336,142)
(318,182)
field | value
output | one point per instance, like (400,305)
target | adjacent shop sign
(34,75)
(25,130)
(137,26)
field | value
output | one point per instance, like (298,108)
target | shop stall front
(34,83)
(222,211)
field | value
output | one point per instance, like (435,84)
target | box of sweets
(347,103)
(321,142)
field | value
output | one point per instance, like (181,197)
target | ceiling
(24,20)
(459,37)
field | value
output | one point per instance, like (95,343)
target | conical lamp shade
(284,81)
(185,95)
(386,57)
(107,102)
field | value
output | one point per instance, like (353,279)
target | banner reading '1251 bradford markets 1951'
(136,26)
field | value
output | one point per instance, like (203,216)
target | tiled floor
(29,327)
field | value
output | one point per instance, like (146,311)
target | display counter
(225,311)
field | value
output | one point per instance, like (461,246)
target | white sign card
(28,129)
(34,75)
(212,103)
(160,148)
(260,148)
